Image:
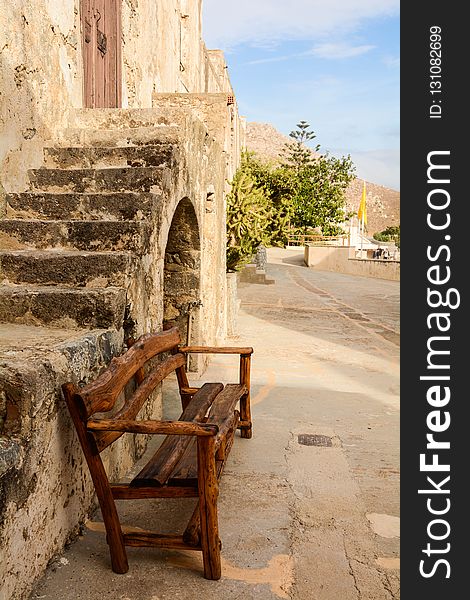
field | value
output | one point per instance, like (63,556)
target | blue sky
(333,63)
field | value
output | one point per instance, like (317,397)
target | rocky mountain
(383,204)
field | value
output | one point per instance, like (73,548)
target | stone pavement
(306,522)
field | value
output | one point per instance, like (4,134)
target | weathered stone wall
(232,304)
(40,75)
(222,121)
(45,489)
(202,181)
(162,49)
(41,69)
(199,175)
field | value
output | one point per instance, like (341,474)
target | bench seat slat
(226,402)
(186,469)
(159,468)
(222,414)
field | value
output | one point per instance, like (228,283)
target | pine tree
(297,154)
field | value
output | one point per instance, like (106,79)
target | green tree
(267,202)
(319,200)
(390,234)
(320,183)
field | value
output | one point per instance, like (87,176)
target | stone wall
(41,69)
(199,175)
(222,121)
(162,49)
(45,489)
(233,304)
(342,260)
(40,75)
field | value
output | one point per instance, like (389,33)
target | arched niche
(182,273)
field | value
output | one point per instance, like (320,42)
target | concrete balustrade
(343,260)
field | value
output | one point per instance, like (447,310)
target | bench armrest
(153,427)
(245,361)
(215,350)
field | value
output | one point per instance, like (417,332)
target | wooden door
(101,43)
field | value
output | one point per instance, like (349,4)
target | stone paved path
(297,521)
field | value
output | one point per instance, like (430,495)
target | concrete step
(66,268)
(250,274)
(135,179)
(119,136)
(120,206)
(23,234)
(161,154)
(62,307)
(118,118)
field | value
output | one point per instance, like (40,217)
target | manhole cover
(311,439)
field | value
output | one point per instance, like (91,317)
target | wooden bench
(190,460)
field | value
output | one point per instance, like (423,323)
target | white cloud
(339,50)
(229,23)
(393,62)
(332,51)
(262,61)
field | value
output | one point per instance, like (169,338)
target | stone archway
(182,269)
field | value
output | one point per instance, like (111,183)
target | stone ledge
(34,361)
(45,488)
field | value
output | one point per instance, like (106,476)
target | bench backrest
(101,395)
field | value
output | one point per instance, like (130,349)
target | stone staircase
(71,245)
(81,269)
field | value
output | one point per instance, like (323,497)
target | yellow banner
(362,212)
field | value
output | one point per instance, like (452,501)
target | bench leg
(117,549)
(191,535)
(245,406)
(109,512)
(208,492)
(245,415)
(114,535)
